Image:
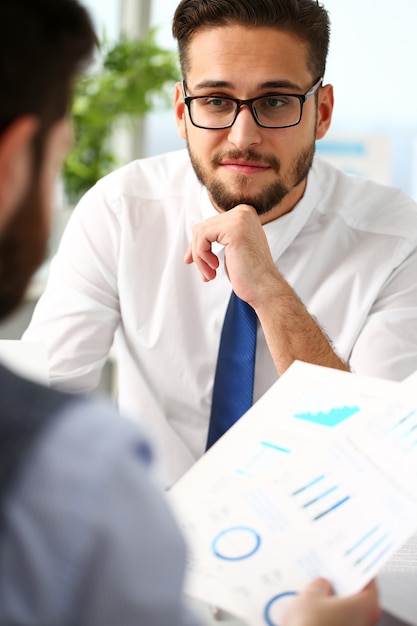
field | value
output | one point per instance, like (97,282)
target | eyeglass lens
(270,111)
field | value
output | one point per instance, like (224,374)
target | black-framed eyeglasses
(271,111)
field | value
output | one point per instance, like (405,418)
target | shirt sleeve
(78,313)
(387,344)
(88,539)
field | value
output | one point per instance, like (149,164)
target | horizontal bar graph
(323,494)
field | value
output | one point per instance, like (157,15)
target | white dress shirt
(348,248)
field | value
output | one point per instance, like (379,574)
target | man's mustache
(249,156)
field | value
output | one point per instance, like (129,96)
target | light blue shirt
(87,539)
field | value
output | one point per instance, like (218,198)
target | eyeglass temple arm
(313,89)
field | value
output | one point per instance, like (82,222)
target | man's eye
(216,102)
(273,102)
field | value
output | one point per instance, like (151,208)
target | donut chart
(236,543)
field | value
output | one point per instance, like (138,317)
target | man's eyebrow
(213,84)
(280,84)
(270,84)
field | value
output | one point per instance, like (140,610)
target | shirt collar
(281,232)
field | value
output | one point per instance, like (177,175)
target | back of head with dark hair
(305,19)
(43,44)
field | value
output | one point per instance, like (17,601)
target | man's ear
(15,163)
(179,108)
(325,110)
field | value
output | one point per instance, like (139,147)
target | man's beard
(22,249)
(264,200)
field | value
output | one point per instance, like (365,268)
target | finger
(201,254)
(207,265)
(363,607)
(209,258)
(188,257)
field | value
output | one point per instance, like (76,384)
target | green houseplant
(133,78)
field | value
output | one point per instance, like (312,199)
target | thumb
(311,606)
(318,588)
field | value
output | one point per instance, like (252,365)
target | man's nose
(245,131)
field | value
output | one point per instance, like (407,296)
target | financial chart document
(318,478)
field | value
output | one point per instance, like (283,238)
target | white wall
(106,16)
(372,67)
(372,64)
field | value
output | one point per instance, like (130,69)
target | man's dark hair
(305,19)
(44,44)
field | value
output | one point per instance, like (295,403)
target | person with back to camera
(86,539)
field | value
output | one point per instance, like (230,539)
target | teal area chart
(331,418)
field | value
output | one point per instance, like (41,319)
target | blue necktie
(233,383)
